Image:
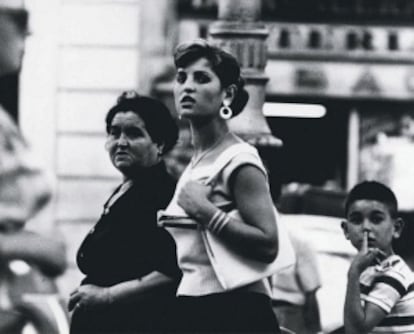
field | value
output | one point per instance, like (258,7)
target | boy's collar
(387,263)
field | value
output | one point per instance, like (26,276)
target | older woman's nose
(122,140)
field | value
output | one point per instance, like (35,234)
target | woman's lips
(187,101)
(121,155)
(187,98)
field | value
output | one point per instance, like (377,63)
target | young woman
(208,91)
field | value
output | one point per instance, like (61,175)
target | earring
(225,111)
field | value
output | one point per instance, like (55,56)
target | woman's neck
(139,173)
(207,135)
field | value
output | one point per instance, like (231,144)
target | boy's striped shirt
(390,286)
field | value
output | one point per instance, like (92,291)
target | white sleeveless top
(199,277)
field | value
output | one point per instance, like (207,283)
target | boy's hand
(365,257)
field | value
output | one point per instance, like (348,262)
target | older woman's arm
(125,292)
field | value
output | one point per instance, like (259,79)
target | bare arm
(124,292)
(359,319)
(48,254)
(255,234)
(257,231)
(311,312)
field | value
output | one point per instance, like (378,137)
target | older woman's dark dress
(126,244)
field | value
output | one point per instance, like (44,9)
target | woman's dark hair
(222,63)
(156,116)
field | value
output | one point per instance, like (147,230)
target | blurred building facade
(83,53)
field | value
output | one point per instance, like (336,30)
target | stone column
(157,35)
(239,31)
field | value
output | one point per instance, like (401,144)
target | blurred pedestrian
(294,290)
(129,262)
(208,91)
(24,189)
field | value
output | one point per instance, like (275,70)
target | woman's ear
(230,93)
(160,149)
(398,227)
(344,226)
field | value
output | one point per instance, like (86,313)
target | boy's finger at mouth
(365,242)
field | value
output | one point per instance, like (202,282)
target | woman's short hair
(158,120)
(224,64)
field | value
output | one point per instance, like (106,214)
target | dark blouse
(126,243)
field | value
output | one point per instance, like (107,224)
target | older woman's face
(129,143)
(197,90)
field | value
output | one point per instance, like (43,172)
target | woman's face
(129,144)
(197,90)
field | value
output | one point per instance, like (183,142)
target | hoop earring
(226,112)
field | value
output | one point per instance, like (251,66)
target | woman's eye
(114,132)
(134,133)
(201,78)
(180,77)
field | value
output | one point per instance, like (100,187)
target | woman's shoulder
(240,154)
(236,146)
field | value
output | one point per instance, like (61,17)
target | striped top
(390,286)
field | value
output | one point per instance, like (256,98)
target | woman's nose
(188,86)
(122,140)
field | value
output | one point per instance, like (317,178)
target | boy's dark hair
(373,190)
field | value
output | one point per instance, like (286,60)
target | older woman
(129,263)
(208,91)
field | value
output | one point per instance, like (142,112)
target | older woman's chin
(122,166)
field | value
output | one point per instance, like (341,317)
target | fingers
(364,247)
(78,306)
(73,301)
(374,255)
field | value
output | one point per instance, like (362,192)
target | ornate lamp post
(239,31)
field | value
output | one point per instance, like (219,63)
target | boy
(380,294)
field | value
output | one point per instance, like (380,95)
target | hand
(89,296)
(366,256)
(193,196)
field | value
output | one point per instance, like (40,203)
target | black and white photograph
(206,166)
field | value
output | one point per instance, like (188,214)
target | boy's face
(374,218)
